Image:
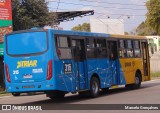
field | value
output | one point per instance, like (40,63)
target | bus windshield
(26,43)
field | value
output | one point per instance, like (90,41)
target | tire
(137,83)
(94,87)
(16,94)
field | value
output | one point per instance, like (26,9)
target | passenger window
(63,47)
(122,53)
(137,51)
(122,49)
(129,53)
(136,44)
(101,48)
(129,44)
(101,43)
(91,50)
(63,41)
(90,43)
(121,43)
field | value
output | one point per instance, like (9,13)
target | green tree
(153,15)
(83,27)
(30,13)
(144,30)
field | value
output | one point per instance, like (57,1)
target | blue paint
(109,72)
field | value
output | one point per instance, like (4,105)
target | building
(109,26)
(154,44)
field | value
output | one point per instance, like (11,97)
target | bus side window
(63,47)
(137,51)
(101,48)
(129,44)
(122,49)
(113,54)
(91,49)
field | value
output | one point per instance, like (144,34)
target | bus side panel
(121,78)
(101,68)
(65,75)
(129,68)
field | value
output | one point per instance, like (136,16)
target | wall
(109,26)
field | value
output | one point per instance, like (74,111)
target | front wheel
(94,87)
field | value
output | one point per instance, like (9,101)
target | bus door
(145,53)
(79,55)
(113,61)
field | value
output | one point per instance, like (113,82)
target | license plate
(27,76)
(32,86)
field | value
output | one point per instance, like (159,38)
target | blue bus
(58,62)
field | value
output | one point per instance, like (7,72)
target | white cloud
(138,1)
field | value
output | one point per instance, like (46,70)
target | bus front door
(78,51)
(113,62)
(146,63)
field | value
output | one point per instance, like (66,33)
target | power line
(129,23)
(119,14)
(97,6)
(58,6)
(110,3)
(105,13)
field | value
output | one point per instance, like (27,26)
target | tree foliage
(153,15)
(144,30)
(83,27)
(30,13)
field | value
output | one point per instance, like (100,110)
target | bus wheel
(94,87)
(16,94)
(138,81)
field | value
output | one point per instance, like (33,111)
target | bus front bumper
(30,87)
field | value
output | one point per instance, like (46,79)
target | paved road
(149,93)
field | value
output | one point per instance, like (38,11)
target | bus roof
(78,33)
(90,34)
(128,36)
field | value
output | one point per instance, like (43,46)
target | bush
(156,74)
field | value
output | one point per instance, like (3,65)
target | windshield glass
(26,43)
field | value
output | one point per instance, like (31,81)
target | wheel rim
(137,80)
(95,87)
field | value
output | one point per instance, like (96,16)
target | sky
(131,11)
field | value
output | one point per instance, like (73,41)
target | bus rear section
(28,63)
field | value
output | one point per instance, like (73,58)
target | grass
(3,92)
(155,75)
